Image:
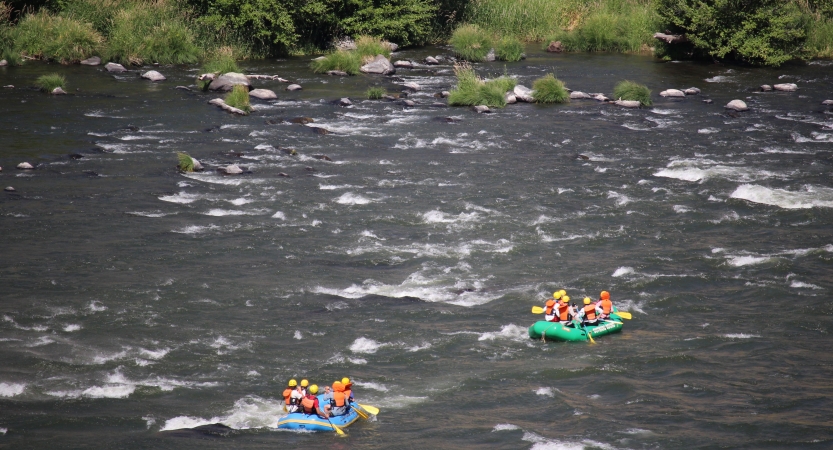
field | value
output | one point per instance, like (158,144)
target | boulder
(412,86)
(766,88)
(344,101)
(58,91)
(628,103)
(737,105)
(207,77)
(827,102)
(263,94)
(233,169)
(431,61)
(25,166)
(600,97)
(380,65)
(490,56)
(578,95)
(672,93)
(3,63)
(391,46)
(708,101)
(408,103)
(153,75)
(445,94)
(692,91)
(389,97)
(523,94)
(197,165)
(403,64)
(786,87)
(93,61)
(337,73)
(481,109)
(114,68)
(510,98)
(294,87)
(555,47)
(227,81)
(9,189)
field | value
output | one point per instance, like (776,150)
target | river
(137,300)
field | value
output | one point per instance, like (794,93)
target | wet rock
(737,105)
(114,68)
(344,101)
(490,56)
(578,95)
(3,63)
(827,102)
(766,88)
(153,75)
(263,94)
(431,61)
(409,103)
(319,130)
(183,88)
(302,120)
(207,77)
(345,44)
(25,166)
(281,174)
(75,156)
(232,169)
(402,64)
(446,120)
(337,73)
(600,97)
(197,165)
(309,169)
(290,151)
(391,46)
(93,61)
(380,65)
(412,86)
(9,86)
(628,103)
(390,97)
(322,157)
(584,157)
(672,93)
(555,47)
(228,81)
(708,101)
(9,189)
(786,87)
(692,91)
(294,87)
(481,109)
(445,94)
(222,104)
(438,105)
(509,98)
(58,91)
(91,173)
(523,94)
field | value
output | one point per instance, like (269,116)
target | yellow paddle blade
(371,409)
(338,430)
(591,338)
(624,315)
(359,412)
(537,310)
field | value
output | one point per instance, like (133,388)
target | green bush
(405,22)
(628,90)
(186,163)
(239,98)
(220,62)
(820,40)
(47,83)
(347,61)
(509,48)
(371,46)
(46,36)
(529,20)
(375,93)
(549,89)
(471,90)
(151,32)
(605,30)
(98,13)
(471,43)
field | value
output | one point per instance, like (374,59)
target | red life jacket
(308,403)
(606,305)
(564,311)
(590,312)
(550,305)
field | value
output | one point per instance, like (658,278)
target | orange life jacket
(348,393)
(339,399)
(550,305)
(308,403)
(606,305)
(287,397)
(564,311)
(590,312)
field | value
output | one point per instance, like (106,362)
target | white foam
(704,169)
(810,197)
(741,336)
(154,354)
(544,391)
(708,130)
(181,197)
(801,284)
(621,199)
(298,335)
(195,229)
(234,212)
(505,427)
(371,385)
(511,332)
(740,261)
(680,209)
(349,198)
(332,187)
(240,201)
(279,215)
(816,137)
(365,345)
(441,217)
(542,443)
(3,431)
(149,214)
(718,79)
(11,389)
(622,271)
(182,422)
(416,348)
(69,328)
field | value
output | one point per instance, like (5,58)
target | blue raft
(312,422)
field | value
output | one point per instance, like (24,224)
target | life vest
(590,312)
(308,403)
(550,305)
(339,399)
(606,305)
(564,311)
(348,393)
(287,397)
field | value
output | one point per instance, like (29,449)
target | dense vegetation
(549,89)
(629,90)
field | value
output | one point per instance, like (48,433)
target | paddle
(371,409)
(624,315)
(359,412)
(586,332)
(537,310)
(337,429)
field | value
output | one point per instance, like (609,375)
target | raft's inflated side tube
(556,331)
(312,422)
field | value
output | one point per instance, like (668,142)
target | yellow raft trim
(315,422)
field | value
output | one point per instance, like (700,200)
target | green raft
(556,331)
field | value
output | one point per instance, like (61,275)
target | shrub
(471,90)
(375,93)
(12,57)
(549,89)
(346,61)
(406,22)
(98,13)
(505,83)
(820,40)
(471,43)
(47,83)
(222,61)
(239,98)
(529,20)
(628,90)
(186,163)
(46,36)
(371,46)
(509,48)
(151,32)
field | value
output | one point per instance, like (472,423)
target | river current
(137,300)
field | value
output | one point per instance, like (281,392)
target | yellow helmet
(563,292)
(587,300)
(556,295)
(313,389)
(345,381)
(293,383)
(304,383)
(565,298)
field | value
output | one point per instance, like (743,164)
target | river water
(137,300)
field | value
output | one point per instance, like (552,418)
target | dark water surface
(137,300)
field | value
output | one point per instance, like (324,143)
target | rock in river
(58,91)
(412,86)
(294,87)
(737,105)
(114,68)
(578,95)
(786,87)
(9,189)
(672,93)
(233,169)
(628,103)
(344,101)
(263,94)
(25,166)
(227,81)
(827,102)
(766,88)
(523,94)
(380,65)
(94,61)
(692,91)
(337,73)
(403,64)
(153,75)
(555,47)
(509,98)
(431,61)
(481,109)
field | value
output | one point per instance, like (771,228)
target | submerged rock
(786,87)
(380,65)
(431,61)
(263,94)
(337,73)
(114,68)
(827,102)
(322,157)
(302,120)
(692,91)
(25,166)
(9,189)
(672,93)
(766,88)
(344,101)
(403,64)
(93,61)
(153,75)
(232,169)
(438,105)
(294,87)
(227,81)
(578,95)
(708,101)
(58,91)
(555,47)
(412,86)
(281,174)
(319,130)
(523,94)
(737,105)
(409,103)
(183,88)
(628,103)
(481,109)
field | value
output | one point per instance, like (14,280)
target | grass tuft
(239,98)
(222,61)
(12,57)
(549,89)
(152,32)
(46,36)
(47,83)
(509,48)
(471,43)
(371,46)
(346,61)
(471,90)
(628,90)
(820,40)
(375,93)
(186,163)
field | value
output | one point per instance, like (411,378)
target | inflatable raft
(312,422)
(556,331)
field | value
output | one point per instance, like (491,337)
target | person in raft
(304,384)
(310,405)
(589,314)
(348,389)
(292,397)
(564,311)
(549,311)
(327,397)
(606,305)
(338,404)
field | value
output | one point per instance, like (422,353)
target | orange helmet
(604,295)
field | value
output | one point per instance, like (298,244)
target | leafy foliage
(629,90)
(549,89)
(239,98)
(49,82)
(375,93)
(47,36)
(186,163)
(151,32)
(509,48)
(471,42)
